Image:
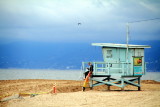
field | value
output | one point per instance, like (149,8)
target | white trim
(120,45)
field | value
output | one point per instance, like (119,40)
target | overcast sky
(57,20)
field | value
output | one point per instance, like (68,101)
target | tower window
(109,54)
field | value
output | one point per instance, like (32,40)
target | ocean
(14,74)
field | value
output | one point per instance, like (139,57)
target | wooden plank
(98,84)
(132,83)
(101,75)
(130,76)
(107,83)
(126,83)
(102,80)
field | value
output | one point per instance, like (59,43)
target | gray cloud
(55,20)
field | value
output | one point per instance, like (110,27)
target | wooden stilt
(91,84)
(122,84)
(139,82)
(108,81)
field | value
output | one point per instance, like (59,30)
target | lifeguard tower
(125,61)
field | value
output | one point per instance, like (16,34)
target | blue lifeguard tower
(122,60)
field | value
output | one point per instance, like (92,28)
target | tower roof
(120,45)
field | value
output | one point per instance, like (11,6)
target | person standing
(87,75)
(90,69)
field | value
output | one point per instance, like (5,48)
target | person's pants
(86,73)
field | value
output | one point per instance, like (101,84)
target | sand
(69,94)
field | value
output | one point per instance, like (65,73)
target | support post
(122,83)
(91,83)
(139,82)
(108,81)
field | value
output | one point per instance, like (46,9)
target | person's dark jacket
(91,68)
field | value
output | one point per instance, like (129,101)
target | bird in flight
(79,23)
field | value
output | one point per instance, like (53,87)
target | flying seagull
(79,24)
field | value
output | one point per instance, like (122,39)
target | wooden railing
(104,68)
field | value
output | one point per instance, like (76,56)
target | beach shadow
(121,90)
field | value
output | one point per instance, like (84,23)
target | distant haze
(37,55)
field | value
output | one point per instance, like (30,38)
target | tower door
(122,55)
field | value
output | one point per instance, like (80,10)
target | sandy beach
(69,94)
